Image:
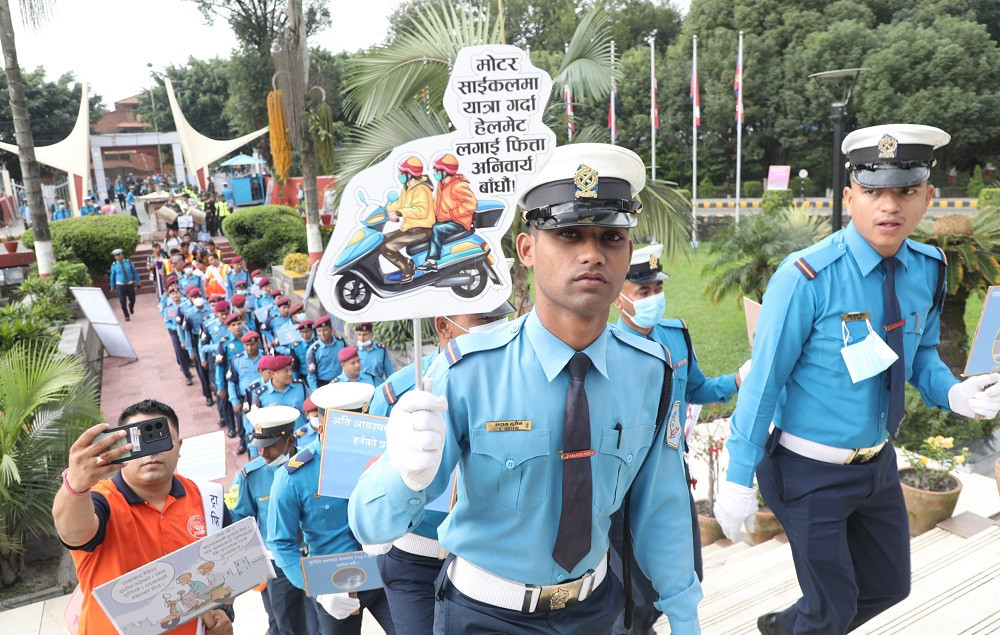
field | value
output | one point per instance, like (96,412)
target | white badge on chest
(867,358)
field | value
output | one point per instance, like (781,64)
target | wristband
(70,489)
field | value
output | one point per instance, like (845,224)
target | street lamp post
(841,81)
(156,127)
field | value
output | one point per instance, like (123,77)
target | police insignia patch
(585,181)
(888,147)
(674,425)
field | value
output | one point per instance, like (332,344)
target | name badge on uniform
(505,426)
(856,316)
(674,425)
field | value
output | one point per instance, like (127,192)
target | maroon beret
(364,327)
(322,321)
(264,281)
(221,306)
(255,273)
(238,299)
(193,291)
(280,361)
(236,259)
(308,405)
(232,317)
(250,335)
(305,324)
(264,363)
(282,302)
(347,353)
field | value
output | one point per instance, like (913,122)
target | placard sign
(340,573)
(391,255)
(984,355)
(778,176)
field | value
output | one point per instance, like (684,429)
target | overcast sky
(108,43)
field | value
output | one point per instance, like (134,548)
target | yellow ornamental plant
(933,463)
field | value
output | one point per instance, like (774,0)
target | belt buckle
(863,455)
(559,596)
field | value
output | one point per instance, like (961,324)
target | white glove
(415,437)
(339,605)
(977,395)
(744,371)
(377,550)
(735,508)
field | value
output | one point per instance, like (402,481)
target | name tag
(854,317)
(504,426)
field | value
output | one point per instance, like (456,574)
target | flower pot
(926,509)
(326,219)
(765,527)
(709,527)
(10,246)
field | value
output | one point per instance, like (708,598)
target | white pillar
(178,162)
(95,156)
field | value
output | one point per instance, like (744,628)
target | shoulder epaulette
(464,345)
(811,260)
(674,323)
(297,461)
(389,393)
(237,355)
(641,343)
(261,390)
(257,463)
(932,251)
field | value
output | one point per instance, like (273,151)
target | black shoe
(209,402)
(188,380)
(126,318)
(770,624)
(222,424)
(231,433)
(428,266)
(242,449)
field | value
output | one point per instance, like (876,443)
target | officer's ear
(442,327)
(526,248)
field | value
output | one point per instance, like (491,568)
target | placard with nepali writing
(984,354)
(350,442)
(287,334)
(183,585)
(340,573)
(419,233)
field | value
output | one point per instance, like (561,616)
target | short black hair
(152,408)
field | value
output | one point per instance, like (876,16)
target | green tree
(255,24)
(201,88)
(976,184)
(46,400)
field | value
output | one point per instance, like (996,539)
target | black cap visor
(598,212)
(887,175)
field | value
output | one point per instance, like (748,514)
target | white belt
(419,545)
(828,453)
(481,585)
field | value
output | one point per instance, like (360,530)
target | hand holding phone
(150,436)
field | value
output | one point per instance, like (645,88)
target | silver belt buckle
(558,596)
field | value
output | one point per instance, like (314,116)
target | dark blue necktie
(573,537)
(894,338)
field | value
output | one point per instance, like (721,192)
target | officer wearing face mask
(187,278)
(287,611)
(374,357)
(191,329)
(61,211)
(640,305)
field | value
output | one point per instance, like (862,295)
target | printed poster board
(183,585)
(752,311)
(95,306)
(340,573)
(778,176)
(984,355)
(287,334)
(350,441)
(203,457)
(375,265)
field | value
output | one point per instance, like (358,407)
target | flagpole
(694,140)
(652,104)
(568,103)
(739,122)
(614,124)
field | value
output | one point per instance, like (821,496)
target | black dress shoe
(242,449)
(770,624)
(188,381)
(126,318)
(222,424)
(209,402)
(231,433)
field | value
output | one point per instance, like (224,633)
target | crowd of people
(560,436)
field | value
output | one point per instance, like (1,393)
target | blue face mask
(402,178)
(648,311)
(438,176)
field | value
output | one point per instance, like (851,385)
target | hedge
(989,197)
(774,201)
(752,189)
(265,234)
(91,239)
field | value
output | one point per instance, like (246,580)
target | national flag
(695,94)
(654,108)
(612,123)
(568,109)
(738,84)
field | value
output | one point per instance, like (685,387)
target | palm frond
(587,66)
(419,59)
(666,217)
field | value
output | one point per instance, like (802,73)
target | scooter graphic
(465,265)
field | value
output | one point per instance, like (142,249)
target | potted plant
(9,242)
(929,489)
(766,525)
(707,443)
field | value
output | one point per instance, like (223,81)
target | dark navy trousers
(409,587)
(179,353)
(848,530)
(289,610)
(374,601)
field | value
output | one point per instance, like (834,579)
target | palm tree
(972,247)
(46,400)
(385,94)
(33,12)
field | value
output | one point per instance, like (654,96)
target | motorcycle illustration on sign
(419,233)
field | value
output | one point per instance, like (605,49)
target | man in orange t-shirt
(454,206)
(143,512)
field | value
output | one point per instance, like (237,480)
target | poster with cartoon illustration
(191,581)
(351,441)
(418,234)
(340,573)
(984,354)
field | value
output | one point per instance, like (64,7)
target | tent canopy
(242,159)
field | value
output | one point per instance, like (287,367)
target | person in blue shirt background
(212,331)
(88,208)
(296,510)
(554,421)
(865,301)
(409,565)
(130,201)
(351,370)
(119,192)
(282,389)
(242,374)
(124,278)
(299,349)
(25,215)
(322,365)
(237,272)
(191,326)
(374,357)
(170,309)
(61,211)
(228,347)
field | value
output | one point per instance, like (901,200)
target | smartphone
(150,436)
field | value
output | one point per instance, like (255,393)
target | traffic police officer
(299,349)
(239,304)
(296,510)
(170,309)
(188,278)
(350,364)
(834,318)
(124,278)
(374,357)
(212,331)
(194,319)
(275,322)
(533,413)
(640,305)
(272,436)
(322,365)
(229,346)
(282,389)
(242,374)
(237,273)
(414,561)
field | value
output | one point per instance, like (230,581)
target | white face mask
(366,344)
(648,310)
(314,422)
(198,302)
(867,358)
(298,317)
(257,280)
(489,326)
(281,460)
(187,271)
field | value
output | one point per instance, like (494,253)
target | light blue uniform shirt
(509,498)
(299,351)
(228,348)
(212,331)
(232,278)
(295,508)
(799,378)
(242,374)
(186,281)
(194,318)
(253,484)
(363,377)
(123,271)
(690,384)
(294,395)
(168,306)
(321,361)
(399,383)
(375,360)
